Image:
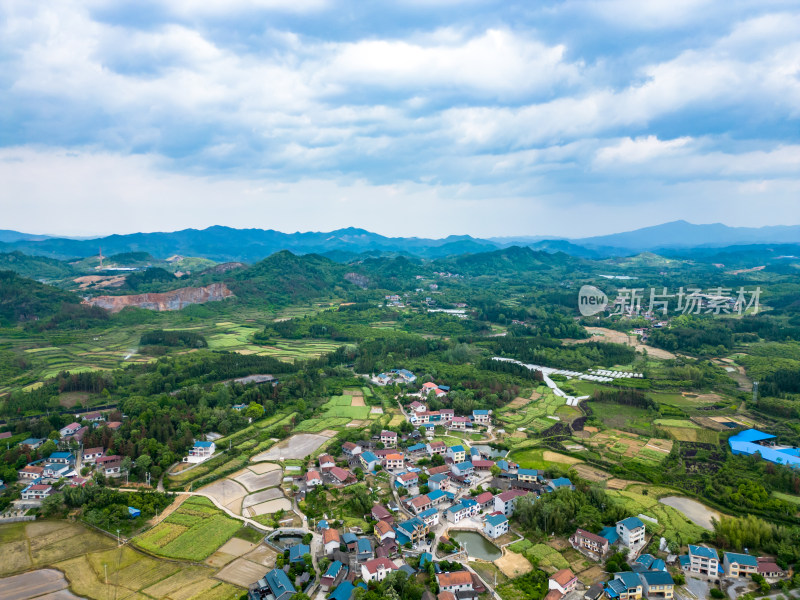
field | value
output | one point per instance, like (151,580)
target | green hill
(35,267)
(23,299)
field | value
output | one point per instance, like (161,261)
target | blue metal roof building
(631,523)
(333,569)
(296,552)
(610,533)
(751,435)
(703,551)
(344,591)
(742,559)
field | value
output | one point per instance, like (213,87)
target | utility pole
(118,542)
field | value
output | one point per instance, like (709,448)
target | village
(452,509)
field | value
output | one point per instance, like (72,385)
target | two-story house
(739,565)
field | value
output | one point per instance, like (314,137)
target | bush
(717,593)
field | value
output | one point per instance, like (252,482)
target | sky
(405,117)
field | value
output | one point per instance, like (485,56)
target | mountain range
(222,244)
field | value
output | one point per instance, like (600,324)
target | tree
(254,411)
(143,463)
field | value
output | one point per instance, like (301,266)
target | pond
(476,545)
(286,541)
(491,452)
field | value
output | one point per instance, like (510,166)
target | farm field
(193,532)
(618,446)
(85,556)
(531,414)
(538,458)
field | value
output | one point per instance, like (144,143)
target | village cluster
(43,477)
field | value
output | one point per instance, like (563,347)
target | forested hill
(285,277)
(23,299)
(508,261)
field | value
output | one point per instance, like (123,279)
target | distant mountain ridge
(224,244)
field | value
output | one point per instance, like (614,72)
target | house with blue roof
(702,561)
(296,552)
(62,458)
(631,532)
(481,417)
(456,453)
(436,497)
(275,585)
(462,469)
(424,559)
(528,475)
(495,525)
(344,591)
(438,481)
(625,586)
(417,448)
(752,441)
(200,452)
(32,443)
(465,508)
(411,530)
(364,550)
(557,484)
(322,524)
(657,584)
(368,460)
(333,574)
(350,540)
(610,533)
(644,561)
(430,517)
(739,565)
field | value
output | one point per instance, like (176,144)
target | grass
(206,530)
(787,497)
(546,557)
(529,458)
(249,534)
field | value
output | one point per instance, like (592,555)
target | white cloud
(640,150)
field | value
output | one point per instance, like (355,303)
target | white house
(703,561)
(495,525)
(200,452)
(37,491)
(564,581)
(631,532)
(389,438)
(377,569)
(110,466)
(313,479)
(330,540)
(90,455)
(481,417)
(457,453)
(351,449)
(506,501)
(458,581)
(70,429)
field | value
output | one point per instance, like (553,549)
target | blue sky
(405,117)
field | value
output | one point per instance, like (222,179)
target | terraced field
(534,414)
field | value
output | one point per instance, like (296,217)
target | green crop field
(193,532)
(534,415)
(671,522)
